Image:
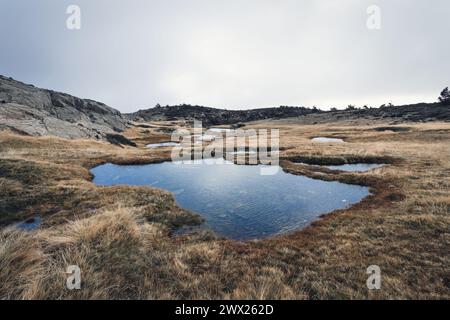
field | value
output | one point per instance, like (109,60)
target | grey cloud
(235,54)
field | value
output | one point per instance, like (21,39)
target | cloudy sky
(235,54)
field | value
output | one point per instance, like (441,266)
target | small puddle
(205,137)
(236,200)
(354,167)
(325,139)
(357,167)
(220,130)
(162,144)
(243,152)
(29,224)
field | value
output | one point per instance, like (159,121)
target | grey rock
(29,110)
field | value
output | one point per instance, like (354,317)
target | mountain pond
(237,201)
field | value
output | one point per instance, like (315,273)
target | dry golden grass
(153,132)
(121,236)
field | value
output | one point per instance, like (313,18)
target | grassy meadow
(121,236)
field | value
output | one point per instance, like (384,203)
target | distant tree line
(444,99)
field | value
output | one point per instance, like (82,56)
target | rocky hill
(421,112)
(29,110)
(212,116)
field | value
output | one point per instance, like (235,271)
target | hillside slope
(421,112)
(29,110)
(213,116)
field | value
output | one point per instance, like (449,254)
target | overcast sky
(235,54)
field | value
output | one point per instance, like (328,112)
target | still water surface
(325,139)
(236,200)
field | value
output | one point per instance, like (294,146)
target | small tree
(445,97)
(351,107)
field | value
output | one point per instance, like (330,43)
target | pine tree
(445,97)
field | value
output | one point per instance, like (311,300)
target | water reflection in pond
(357,167)
(236,200)
(243,152)
(325,139)
(354,167)
(162,144)
(29,224)
(220,130)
